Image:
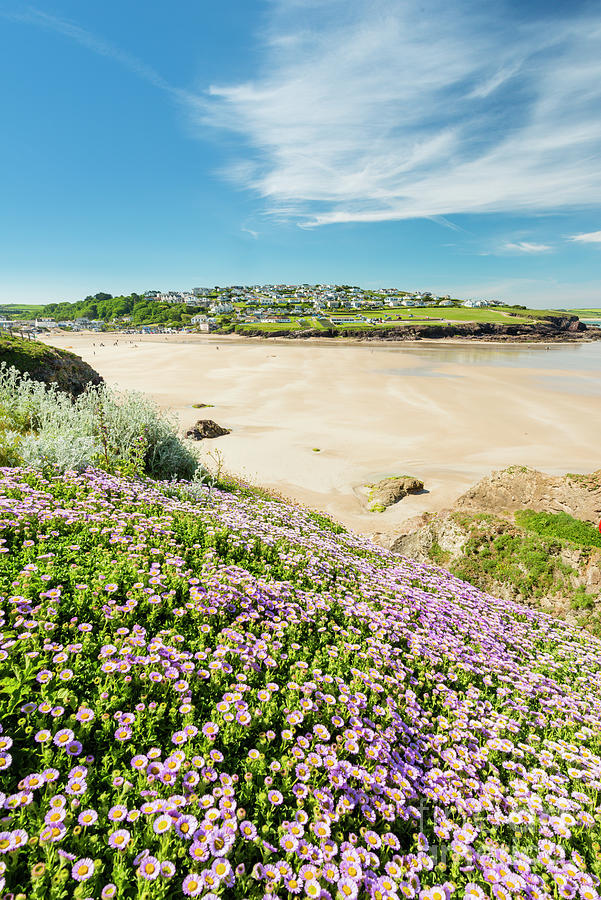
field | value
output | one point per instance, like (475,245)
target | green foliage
(438,555)
(529,563)
(326,522)
(27,355)
(517,559)
(21,310)
(582,600)
(559,526)
(113,309)
(41,426)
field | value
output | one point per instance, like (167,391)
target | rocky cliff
(521,535)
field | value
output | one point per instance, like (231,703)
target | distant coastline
(568,329)
(558,329)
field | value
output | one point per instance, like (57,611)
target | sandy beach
(317,421)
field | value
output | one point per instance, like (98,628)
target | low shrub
(559,526)
(125,432)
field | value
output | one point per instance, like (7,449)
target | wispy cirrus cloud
(30,15)
(525,247)
(590,237)
(370,111)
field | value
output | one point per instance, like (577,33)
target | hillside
(524,535)
(232,697)
(48,364)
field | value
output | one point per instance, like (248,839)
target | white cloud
(370,110)
(591,237)
(526,247)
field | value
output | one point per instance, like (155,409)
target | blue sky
(425,145)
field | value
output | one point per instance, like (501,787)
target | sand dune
(447,414)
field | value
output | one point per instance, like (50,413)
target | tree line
(111,309)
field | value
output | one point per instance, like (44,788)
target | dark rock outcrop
(206,428)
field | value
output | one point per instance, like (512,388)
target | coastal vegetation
(560,526)
(47,364)
(44,427)
(551,560)
(227,697)
(527,564)
(133,307)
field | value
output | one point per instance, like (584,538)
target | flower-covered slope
(228,699)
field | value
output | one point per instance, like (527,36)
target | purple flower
(20,838)
(82,869)
(119,839)
(55,816)
(149,868)
(162,824)
(248,830)
(210,729)
(347,889)
(186,826)
(63,737)
(167,869)
(199,851)
(192,885)
(87,817)
(6,841)
(220,841)
(117,813)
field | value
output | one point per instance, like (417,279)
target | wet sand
(445,413)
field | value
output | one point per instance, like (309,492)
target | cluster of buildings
(264,302)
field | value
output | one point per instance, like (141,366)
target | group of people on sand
(115,344)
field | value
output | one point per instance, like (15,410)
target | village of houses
(280,304)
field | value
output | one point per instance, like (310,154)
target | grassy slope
(29,356)
(585,313)
(21,311)
(387,704)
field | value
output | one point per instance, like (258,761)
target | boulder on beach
(206,428)
(389,491)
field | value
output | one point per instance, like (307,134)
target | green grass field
(585,313)
(410,316)
(445,314)
(20,311)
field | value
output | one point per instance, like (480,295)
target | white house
(219,308)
